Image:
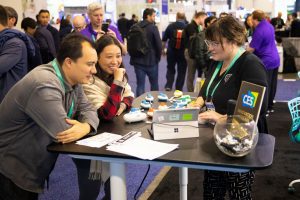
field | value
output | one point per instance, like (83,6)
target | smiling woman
(111,95)
(231,66)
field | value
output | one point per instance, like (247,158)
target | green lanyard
(93,38)
(61,79)
(217,71)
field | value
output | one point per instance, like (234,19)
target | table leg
(118,181)
(183,182)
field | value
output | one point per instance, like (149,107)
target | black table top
(202,150)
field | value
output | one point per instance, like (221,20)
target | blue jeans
(141,71)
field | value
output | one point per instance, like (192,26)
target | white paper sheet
(143,148)
(99,140)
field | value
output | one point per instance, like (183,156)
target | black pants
(10,191)
(174,57)
(89,189)
(272,86)
(238,185)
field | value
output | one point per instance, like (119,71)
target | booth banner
(164,7)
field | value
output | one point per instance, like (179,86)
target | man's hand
(77,131)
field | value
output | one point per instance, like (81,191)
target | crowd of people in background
(69,57)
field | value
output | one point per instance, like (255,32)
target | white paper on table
(143,148)
(99,140)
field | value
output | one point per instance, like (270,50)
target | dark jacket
(190,30)
(153,56)
(122,26)
(46,43)
(295,28)
(55,34)
(36,60)
(15,51)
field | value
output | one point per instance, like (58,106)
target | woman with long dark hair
(111,94)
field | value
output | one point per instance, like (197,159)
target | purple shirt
(263,41)
(91,34)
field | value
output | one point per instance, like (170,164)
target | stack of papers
(143,148)
(130,144)
(99,140)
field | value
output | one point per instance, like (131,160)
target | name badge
(210,106)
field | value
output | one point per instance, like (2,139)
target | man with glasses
(78,23)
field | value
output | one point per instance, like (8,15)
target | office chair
(294,133)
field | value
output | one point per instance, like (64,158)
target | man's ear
(68,62)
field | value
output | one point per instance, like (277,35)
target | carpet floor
(270,183)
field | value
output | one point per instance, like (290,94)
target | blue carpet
(287,90)
(63,179)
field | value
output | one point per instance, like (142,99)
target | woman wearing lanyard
(231,66)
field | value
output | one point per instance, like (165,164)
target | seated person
(47,105)
(232,65)
(111,95)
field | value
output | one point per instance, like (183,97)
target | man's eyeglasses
(211,43)
(79,28)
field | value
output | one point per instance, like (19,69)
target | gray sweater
(31,115)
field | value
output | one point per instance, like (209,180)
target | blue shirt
(263,41)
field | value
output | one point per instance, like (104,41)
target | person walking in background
(29,25)
(78,23)
(48,105)
(295,26)
(175,52)
(111,95)
(288,22)
(132,21)
(65,27)
(148,64)
(94,31)
(209,20)
(15,50)
(46,42)
(12,17)
(231,66)
(249,27)
(122,25)
(196,25)
(264,47)
(277,22)
(43,21)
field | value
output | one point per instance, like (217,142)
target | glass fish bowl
(235,135)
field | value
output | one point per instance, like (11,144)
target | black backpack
(177,39)
(198,50)
(137,42)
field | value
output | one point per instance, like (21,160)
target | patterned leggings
(238,185)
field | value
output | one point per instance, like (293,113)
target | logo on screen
(249,99)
